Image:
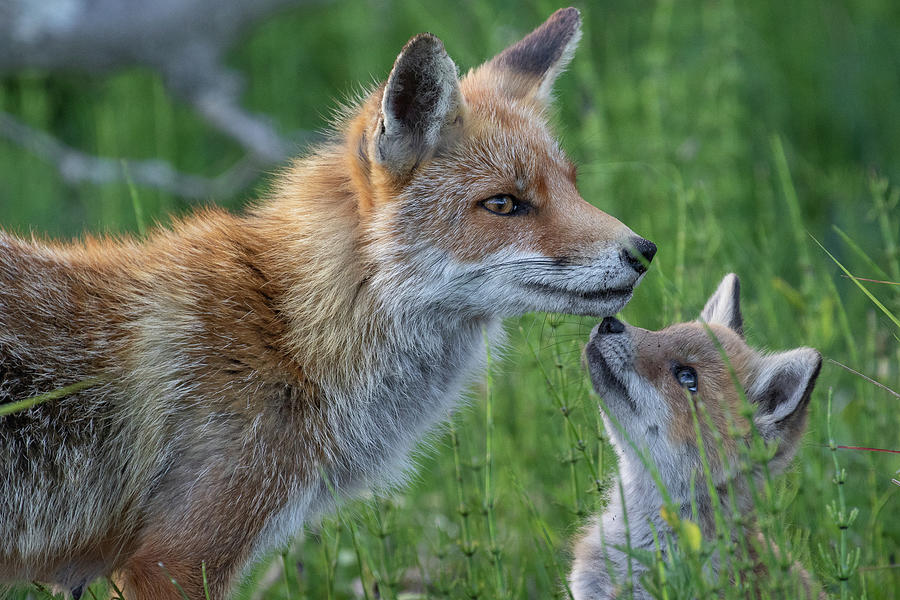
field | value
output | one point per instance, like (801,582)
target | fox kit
(647,379)
(248,367)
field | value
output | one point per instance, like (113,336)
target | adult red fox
(648,380)
(248,367)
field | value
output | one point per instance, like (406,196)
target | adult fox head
(649,380)
(465,197)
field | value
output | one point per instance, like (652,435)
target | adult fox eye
(504,204)
(687,378)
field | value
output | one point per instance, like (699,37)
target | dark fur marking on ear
(537,52)
(807,393)
(410,96)
(420,98)
(415,89)
(378,148)
(737,320)
(774,395)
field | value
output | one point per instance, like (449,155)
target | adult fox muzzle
(251,364)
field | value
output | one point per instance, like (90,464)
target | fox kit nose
(639,253)
(610,325)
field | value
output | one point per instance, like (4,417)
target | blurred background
(735,135)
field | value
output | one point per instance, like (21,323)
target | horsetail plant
(842,561)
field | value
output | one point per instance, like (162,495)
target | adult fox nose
(610,325)
(639,253)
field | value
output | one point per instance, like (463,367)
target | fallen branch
(176,38)
(77,166)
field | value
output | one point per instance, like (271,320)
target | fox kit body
(245,369)
(648,380)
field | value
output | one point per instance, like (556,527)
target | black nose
(611,325)
(645,248)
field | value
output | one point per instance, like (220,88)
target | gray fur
(636,414)
(412,385)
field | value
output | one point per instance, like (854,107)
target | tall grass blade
(865,291)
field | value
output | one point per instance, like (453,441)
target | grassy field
(736,135)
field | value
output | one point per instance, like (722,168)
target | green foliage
(732,134)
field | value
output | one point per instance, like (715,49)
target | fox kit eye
(505,205)
(687,378)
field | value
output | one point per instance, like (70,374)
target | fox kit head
(649,380)
(465,196)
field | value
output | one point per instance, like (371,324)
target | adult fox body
(245,365)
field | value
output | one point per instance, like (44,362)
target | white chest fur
(412,384)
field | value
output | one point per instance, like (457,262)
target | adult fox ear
(781,394)
(724,306)
(420,99)
(528,68)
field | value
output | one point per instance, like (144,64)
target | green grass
(734,135)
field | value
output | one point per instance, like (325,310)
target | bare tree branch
(75,166)
(183,40)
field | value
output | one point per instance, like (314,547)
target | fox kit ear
(421,97)
(781,392)
(724,306)
(529,68)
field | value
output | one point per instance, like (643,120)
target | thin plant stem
(205,580)
(563,407)
(494,549)
(174,582)
(846,562)
(135,200)
(331,562)
(12,407)
(466,546)
(545,535)
(387,583)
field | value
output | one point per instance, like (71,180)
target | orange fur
(249,363)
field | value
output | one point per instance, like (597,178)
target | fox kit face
(469,191)
(650,379)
